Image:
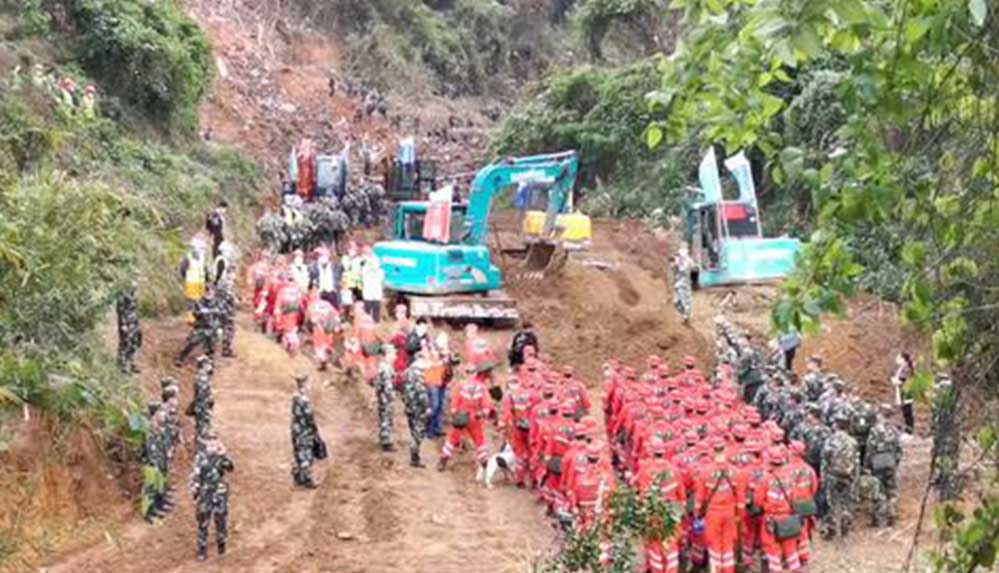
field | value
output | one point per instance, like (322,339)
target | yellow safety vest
(194,277)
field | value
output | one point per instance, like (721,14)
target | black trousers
(909,418)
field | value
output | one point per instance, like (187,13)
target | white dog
(503,460)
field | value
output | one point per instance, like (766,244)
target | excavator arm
(558,168)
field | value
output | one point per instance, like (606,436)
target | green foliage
(85,206)
(149,53)
(69,269)
(79,387)
(632,518)
(643,18)
(32,19)
(600,112)
(152,480)
(460,48)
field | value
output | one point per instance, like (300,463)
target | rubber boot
(221,549)
(415,461)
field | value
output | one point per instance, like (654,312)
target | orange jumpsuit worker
(470,406)
(720,501)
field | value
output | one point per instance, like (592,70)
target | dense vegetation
(882,118)
(91,200)
(601,113)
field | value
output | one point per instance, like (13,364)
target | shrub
(150,53)
(602,113)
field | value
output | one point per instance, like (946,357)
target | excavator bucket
(540,255)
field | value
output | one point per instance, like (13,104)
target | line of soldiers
(207,482)
(855,447)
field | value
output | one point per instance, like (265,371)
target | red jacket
(471,396)
(718,490)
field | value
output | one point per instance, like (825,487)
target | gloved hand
(698,526)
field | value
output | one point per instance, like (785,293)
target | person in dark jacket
(522,339)
(215,225)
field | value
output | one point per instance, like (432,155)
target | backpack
(840,465)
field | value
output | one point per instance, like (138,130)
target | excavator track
(495,307)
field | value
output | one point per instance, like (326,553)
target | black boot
(388,447)
(221,549)
(202,553)
(415,461)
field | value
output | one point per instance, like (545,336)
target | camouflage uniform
(414,394)
(170,393)
(750,373)
(884,449)
(202,403)
(946,439)
(155,457)
(270,231)
(225,298)
(815,384)
(129,330)
(205,331)
(871,496)
(384,387)
(211,494)
(303,438)
(862,419)
(840,463)
(683,292)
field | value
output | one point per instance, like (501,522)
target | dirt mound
(50,483)
(609,302)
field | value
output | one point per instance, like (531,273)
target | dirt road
(372,512)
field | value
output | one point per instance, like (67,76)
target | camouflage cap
(153,407)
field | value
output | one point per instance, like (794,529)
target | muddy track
(371,513)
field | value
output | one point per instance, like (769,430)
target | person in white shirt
(326,277)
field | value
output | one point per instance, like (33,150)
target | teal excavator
(455,278)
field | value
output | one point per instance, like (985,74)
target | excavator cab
(725,236)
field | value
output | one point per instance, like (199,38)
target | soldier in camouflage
(129,329)
(303,433)
(882,457)
(225,294)
(834,402)
(681,267)
(750,368)
(155,464)
(202,404)
(206,328)
(384,383)
(871,498)
(414,395)
(946,437)
(170,394)
(211,494)
(840,465)
(862,419)
(814,381)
